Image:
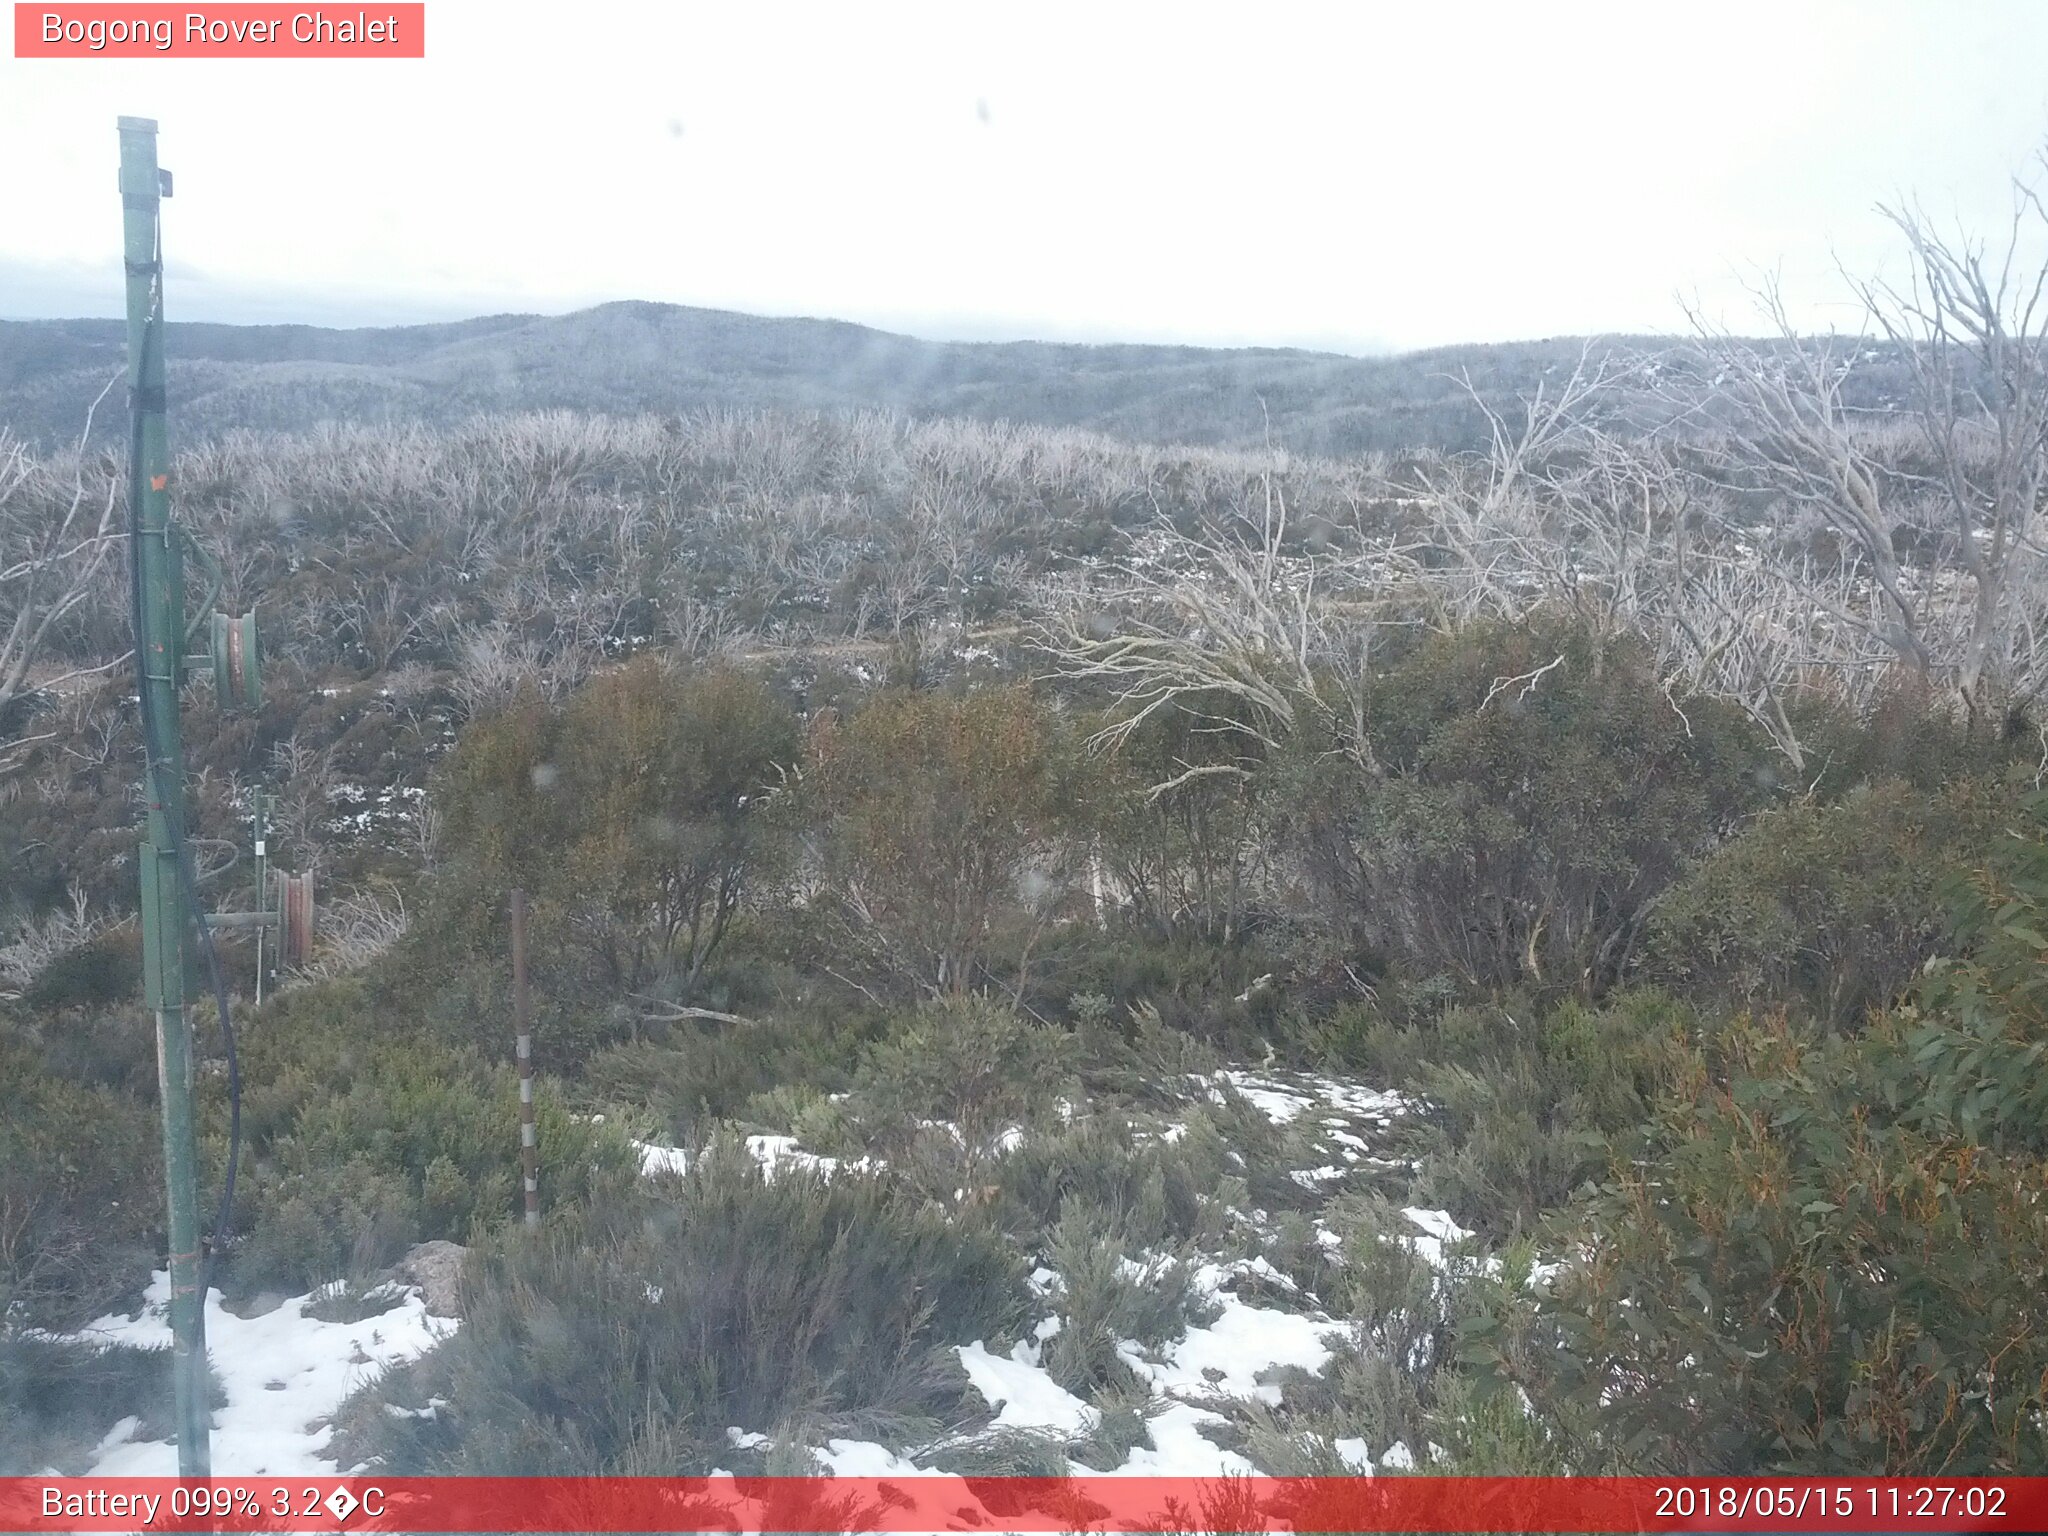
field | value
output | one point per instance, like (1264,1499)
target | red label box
(225,31)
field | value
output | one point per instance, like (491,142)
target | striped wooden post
(529,1138)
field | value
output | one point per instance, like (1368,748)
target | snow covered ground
(1233,1357)
(1285,1099)
(771,1152)
(1227,1359)
(285,1372)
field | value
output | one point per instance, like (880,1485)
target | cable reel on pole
(295,919)
(237,658)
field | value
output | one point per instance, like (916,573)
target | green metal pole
(161,592)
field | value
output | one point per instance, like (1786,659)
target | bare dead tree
(356,927)
(53,549)
(1524,521)
(382,621)
(1972,324)
(1244,635)
(1771,419)
(29,950)
(304,776)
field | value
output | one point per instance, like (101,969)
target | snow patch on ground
(1027,1397)
(1180,1449)
(1441,1233)
(1354,1453)
(1262,1267)
(656,1159)
(1284,1100)
(864,1458)
(1222,1360)
(1228,1356)
(773,1153)
(1276,1103)
(284,1373)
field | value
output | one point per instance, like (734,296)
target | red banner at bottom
(993,1504)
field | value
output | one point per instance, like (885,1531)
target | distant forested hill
(632,357)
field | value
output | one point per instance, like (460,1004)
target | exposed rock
(436,1268)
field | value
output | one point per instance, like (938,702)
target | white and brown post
(522,1013)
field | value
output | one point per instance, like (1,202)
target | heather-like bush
(974,1062)
(1108,1294)
(1833,908)
(701,1074)
(58,1399)
(1157,1193)
(1525,1101)
(1831,1256)
(626,1335)
(81,1193)
(359,1139)
(1530,792)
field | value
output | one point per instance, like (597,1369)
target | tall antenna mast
(172,914)
(159,602)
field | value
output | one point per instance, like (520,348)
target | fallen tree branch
(677,1013)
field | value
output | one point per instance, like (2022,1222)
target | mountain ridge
(635,356)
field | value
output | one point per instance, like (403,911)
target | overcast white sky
(1348,176)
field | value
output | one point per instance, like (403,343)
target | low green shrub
(1830,1255)
(1145,1060)
(706,1074)
(102,1048)
(1909,733)
(1296,1249)
(1394,1375)
(1108,1295)
(1003,1453)
(1157,1194)
(1531,793)
(59,1398)
(972,1061)
(323,1223)
(359,1141)
(1187,981)
(99,973)
(1794,1281)
(1120,1428)
(628,1333)
(1523,1101)
(1253,1157)
(81,1193)
(1830,908)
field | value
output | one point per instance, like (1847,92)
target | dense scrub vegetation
(1665,1011)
